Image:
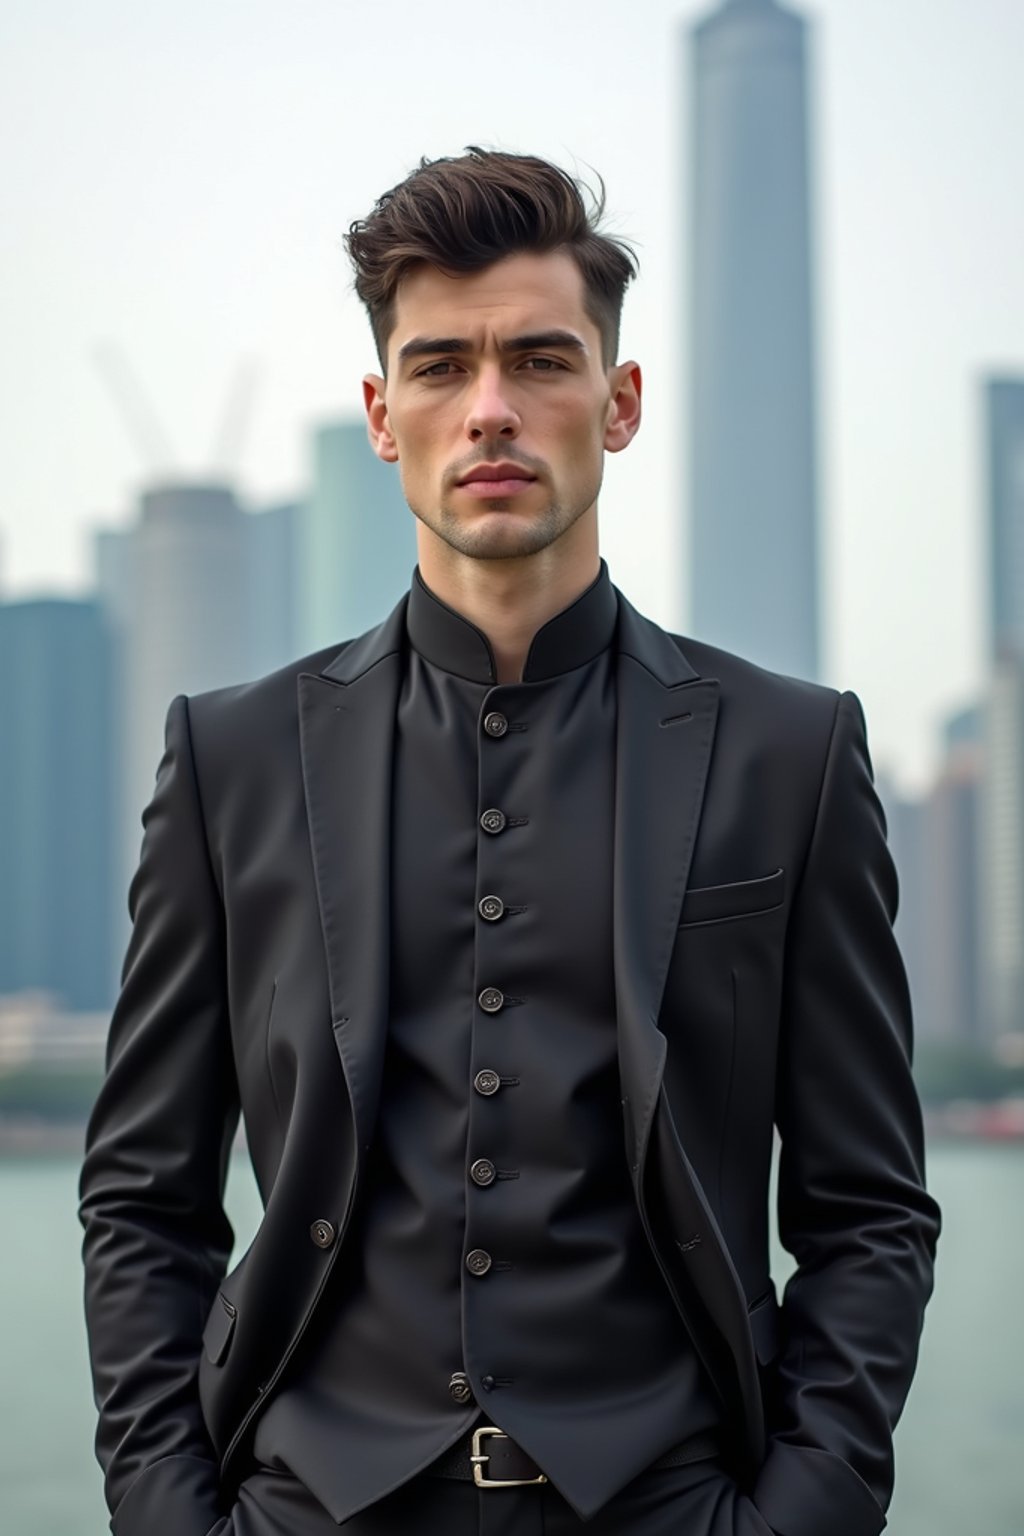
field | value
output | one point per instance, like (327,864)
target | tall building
(56,808)
(273,536)
(1001,851)
(905,827)
(1000,866)
(754,547)
(176,584)
(933,840)
(1004,445)
(358,543)
(113,570)
(950,861)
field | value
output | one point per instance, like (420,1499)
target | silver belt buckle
(479,1458)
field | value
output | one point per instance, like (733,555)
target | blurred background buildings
(194,592)
(197,590)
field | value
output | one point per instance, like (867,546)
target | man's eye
(435,370)
(543,364)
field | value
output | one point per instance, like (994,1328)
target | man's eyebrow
(533,341)
(540,341)
(422,346)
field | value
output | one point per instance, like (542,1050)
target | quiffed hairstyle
(461,214)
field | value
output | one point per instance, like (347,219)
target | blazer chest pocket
(741,898)
(220,1325)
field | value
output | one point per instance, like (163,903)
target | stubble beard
(512,537)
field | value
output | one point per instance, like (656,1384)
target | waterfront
(960,1466)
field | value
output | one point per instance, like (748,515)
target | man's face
(497,405)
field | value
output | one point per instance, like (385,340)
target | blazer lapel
(346,728)
(666,727)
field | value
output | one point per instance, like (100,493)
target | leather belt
(489,1458)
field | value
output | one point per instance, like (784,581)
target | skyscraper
(55,801)
(754,576)
(273,538)
(176,585)
(358,544)
(950,862)
(1001,851)
(1004,453)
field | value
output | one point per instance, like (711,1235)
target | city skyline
(195,238)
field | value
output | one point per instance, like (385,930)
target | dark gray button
(493,820)
(483,1171)
(491,1000)
(322,1233)
(487,1382)
(459,1387)
(495,723)
(491,907)
(486,1081)
(478,1261)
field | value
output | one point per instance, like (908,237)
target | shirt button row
(495,724)
(487,1082)
(494,821)
(491,908)
(491,1000)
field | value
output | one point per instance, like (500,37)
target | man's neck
(510,600)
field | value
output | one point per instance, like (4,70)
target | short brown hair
(461,214)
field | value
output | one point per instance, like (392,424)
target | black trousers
(696,1500)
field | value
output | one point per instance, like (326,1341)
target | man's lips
(496,480)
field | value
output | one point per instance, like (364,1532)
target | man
(513,926)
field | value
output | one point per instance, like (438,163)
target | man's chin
(501,532)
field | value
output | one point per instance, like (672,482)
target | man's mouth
(496,479)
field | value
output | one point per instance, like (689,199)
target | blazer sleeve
(852,1205)
(157,1240)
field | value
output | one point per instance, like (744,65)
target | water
(960,1447)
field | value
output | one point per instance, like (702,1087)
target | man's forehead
(521,292)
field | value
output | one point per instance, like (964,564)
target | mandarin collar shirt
(445,639)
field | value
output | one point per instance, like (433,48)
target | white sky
(176,177)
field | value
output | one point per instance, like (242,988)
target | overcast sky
(176,177)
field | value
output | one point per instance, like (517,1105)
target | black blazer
(757,983)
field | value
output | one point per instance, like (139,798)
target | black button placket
(503,742)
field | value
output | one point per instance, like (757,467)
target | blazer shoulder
(243,730)
(270,702)
(781,727)
(745,685)
(239,707)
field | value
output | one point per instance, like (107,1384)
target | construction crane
(144,427)
(133,406)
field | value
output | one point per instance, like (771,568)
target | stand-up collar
(570,639)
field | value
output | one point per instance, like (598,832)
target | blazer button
(483,1172)
(491,907)
(491,1000)
(322,1233)
(495,724)
(486,1081)
(493,821)
(478,1261)
(459,1387)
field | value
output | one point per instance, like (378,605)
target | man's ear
(624,411)
(378,424)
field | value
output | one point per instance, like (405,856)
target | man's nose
(491,412)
